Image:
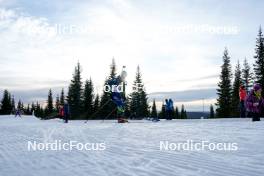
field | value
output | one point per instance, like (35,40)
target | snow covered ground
(131,149)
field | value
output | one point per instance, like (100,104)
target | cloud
(134,32)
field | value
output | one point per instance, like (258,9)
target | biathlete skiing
(116,95)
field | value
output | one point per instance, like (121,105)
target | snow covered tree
(247,75)
(75,93)
(62,97)
(50,108)
(6,103)
(88,97)
(154,113)
(212,112)
(138,97)
(259,59)
(235,91)
(224,91)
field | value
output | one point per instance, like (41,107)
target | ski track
(132,149)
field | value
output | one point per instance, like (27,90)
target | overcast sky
(177,44)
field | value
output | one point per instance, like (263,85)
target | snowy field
(131,149)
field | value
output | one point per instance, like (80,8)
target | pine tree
(6,103)
(20,105)
(33,108)
(57,104)
(75,93)
(39,111)
(96,105)
(247,75)
(235,91)
(28,110)
(224,91)
(176,114)
(62,97)
(183,113)
(138,97)
(212,113)
(88,97)
(162,114)
(154,113)
(50,107)
(259,59)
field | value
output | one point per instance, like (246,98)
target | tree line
(84,103)
(228,86)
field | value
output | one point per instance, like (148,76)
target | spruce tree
(28,110)
(212,113)
(138,97)
(33,108)
(247,75)
(75,94)
(259,59)
(162,114)
(88,97)
(224,91)
(6,103)
(20,105)
(62,97)
(183,114)
(154,113)
(176,114)
(39,111)
(96,105)
(235,91)
(50,107)
(57,104)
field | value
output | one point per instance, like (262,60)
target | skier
(66,111)
(255,102)
(169,108)
(116,95)
(61,112)
(242,97)
(18,113)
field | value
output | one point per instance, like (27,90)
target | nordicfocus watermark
(191,145)
(58,145)
(120,88)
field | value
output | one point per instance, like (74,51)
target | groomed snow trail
(132,149)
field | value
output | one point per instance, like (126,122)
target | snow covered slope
(131,149)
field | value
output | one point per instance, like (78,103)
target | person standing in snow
(242,97)
(61,112)
(255,102)
(66,111)
(169,108)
